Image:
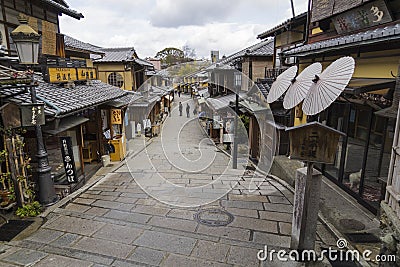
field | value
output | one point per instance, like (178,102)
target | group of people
(187,110)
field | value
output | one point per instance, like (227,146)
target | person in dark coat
(187,110)
(179,93)
(180,109)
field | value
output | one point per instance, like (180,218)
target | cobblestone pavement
(115,223)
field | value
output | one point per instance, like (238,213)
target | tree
(170,56)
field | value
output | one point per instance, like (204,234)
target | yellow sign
(116,116)
(62,75)
(86,74)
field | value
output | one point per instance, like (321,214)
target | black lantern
(27,42)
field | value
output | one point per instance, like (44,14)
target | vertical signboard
(32,114)
(49,41)
(68,159)
(116,116)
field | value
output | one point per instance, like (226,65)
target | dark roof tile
(377,35)
(61,101)
(117,54)
(264,48)
(75,44)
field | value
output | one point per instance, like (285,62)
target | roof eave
(64,10)
(340,47)
(83,50)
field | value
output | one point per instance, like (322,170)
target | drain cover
(213,217)
(11,229)
(362,238)
(352,224)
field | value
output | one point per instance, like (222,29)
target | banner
(68,159)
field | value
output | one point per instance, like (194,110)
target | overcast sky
(152,25)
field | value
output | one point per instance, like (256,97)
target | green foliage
(246,121)
(29,210)
(3,155)
(170,56)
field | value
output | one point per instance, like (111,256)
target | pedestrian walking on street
(179,93)
(180,109)
(187,110)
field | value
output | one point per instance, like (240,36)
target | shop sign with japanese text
(368,15)
(86,74)
(32,114)
(68,159)
(314,142)
(116,116)
(60,75)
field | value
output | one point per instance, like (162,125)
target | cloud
(175,13)
(229,27)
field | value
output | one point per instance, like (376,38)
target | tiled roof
(221,102)
(383,34)
(117,54)
(125,100)
(264,48)
(64,9)
(264,88)
(62,101)
(271,32)
(74,44)
(143,62)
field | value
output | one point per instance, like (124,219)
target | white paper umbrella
(327,87)
(301,85)
(281,84)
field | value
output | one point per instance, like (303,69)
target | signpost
(311,142)
(32,114)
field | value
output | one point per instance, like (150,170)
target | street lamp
(26,41)
(237,86)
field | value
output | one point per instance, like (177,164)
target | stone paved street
(116,223)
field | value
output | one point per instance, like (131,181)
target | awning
(221,102)
(364,85)
(63,125)
(124,100)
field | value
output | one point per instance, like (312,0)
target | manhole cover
(362,238)
(351,224)
(213,217)
(12,228)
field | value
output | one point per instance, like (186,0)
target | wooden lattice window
(116,79)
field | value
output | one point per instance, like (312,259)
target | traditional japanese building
(123,68)
(368,32)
